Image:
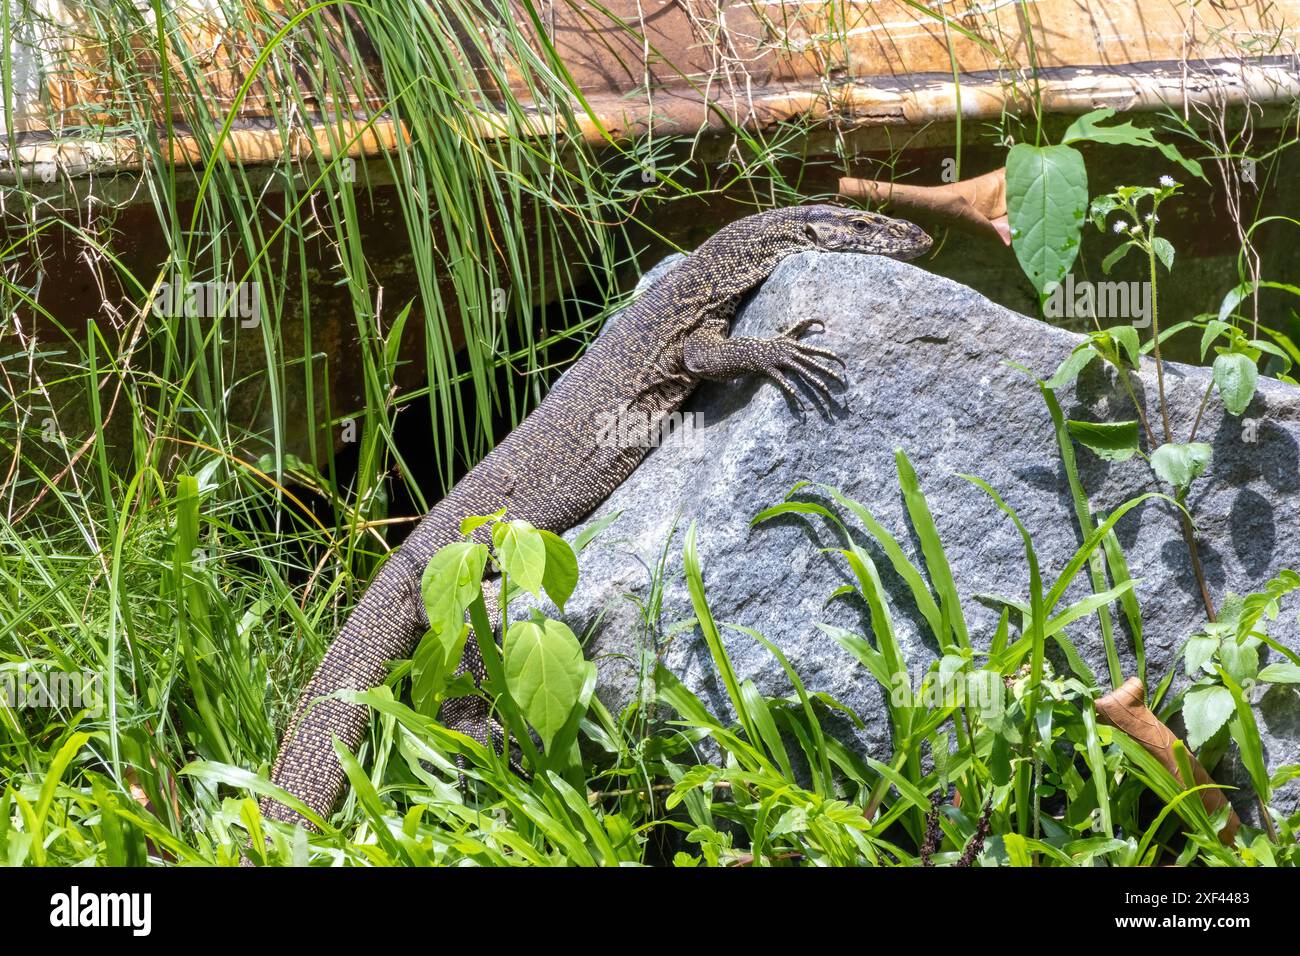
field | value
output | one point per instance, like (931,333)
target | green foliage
(545,673)
(1113,441)
(1223,658)
(1235,374)
(1047,198)
(1047,195)
(1040,781)
(1181,464)
(1088,127)
(191,580)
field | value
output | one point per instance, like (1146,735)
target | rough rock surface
(927,372)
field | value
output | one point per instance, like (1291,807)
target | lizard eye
(810,232)
(860,225)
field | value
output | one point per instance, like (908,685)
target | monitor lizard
(553,469)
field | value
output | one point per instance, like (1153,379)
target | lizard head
(835,229)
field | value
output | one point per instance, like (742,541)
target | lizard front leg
(709,352)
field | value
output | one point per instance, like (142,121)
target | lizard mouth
(920,244)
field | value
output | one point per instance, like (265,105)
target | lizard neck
(742,255)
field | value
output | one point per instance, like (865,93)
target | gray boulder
(927,371)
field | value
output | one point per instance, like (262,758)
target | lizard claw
(809,363)
(804,325)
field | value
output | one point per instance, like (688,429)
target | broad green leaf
(1088,127)
(1282,673)
(560,576)
(1198,652)
(1240,660)
(1069,369)
(1214,329)
(1164,252)
(794,820)
(1282,775)
(1017,850)
(450,581)
(1113,441)
(544,672)
(1127,337)
(432,665)
(522,554)
(1288,362)
(1231,300)
(1235,375)
(1047,200)
(472,523)
(1240,292)
(1205,710)
(1180,465)
(1115,255)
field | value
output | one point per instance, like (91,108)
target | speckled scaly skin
(559,465)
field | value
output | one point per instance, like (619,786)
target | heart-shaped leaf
(1235,375)
(1205,710)
(1047,201)
(1180,465)
(522,554)
(544,674)
(451,580)
(560,576)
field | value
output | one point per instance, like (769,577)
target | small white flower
(1120,225)
(1134,229)
(1152,217)
(1167,182)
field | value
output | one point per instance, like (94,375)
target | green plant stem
(1189,533)
(1155,332)
(882,788)
(1266,817)
(1083,514)
(1142,415)
(1205,400)
(1189,536)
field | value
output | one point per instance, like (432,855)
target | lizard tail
(386,625)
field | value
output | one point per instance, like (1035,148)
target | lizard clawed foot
(808,362)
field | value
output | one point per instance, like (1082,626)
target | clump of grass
(1016,771)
